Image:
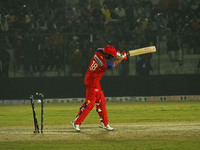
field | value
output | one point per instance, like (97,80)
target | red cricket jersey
(98,66)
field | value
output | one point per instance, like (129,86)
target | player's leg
(101,109)
(91,94)
(98,104)
(84,111)
(77,126)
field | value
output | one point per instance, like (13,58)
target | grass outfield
(138,126)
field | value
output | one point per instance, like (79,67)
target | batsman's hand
(123,55)
(118,54)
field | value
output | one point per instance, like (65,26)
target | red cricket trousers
(93,95)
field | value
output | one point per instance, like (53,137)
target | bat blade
(141,51)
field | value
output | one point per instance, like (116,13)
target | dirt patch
(128,131)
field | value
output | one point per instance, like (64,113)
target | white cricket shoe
(108,127)
(76,126)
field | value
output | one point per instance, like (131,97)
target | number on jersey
(93,66)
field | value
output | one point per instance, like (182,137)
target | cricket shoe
(108,127)
(76,126)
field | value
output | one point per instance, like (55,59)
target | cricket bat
(141,51)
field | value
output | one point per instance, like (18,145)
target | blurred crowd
(52,33)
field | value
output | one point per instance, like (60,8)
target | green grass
(152,144)
(155,111)
(131,112)
(58,114)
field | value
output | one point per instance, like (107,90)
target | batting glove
(118,54)
(123,55)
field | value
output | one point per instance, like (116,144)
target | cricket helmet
(110,50)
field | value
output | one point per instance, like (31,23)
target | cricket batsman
(103,59)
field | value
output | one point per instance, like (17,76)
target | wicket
(41,97)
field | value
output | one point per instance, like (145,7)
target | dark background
(66,87)
(46,46)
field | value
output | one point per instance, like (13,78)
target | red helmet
(110,50)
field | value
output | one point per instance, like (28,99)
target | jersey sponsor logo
(98,60)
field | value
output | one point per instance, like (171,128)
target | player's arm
(118,61)
(121,56)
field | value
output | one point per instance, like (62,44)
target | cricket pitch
(89,132)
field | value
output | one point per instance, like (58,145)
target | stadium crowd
(51,32)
